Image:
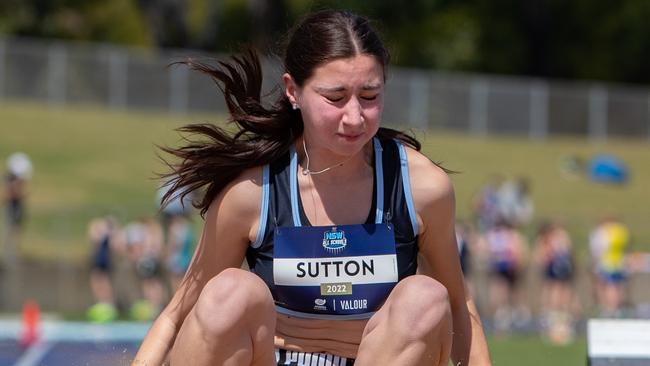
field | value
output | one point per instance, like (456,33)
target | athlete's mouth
(350,137)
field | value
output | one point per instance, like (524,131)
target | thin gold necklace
(306,171)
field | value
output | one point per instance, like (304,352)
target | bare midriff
(337,337)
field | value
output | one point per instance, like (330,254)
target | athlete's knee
(421,306)
(231,299)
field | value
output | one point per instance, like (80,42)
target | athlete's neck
(324,165)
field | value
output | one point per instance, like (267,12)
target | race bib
(337,270)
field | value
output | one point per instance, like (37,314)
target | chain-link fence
(124,78)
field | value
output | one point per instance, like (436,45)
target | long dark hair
(215,156)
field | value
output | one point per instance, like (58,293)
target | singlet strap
(379,179)
(406,182)
(293,186)
(264,208)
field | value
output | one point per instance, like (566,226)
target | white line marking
(34,354)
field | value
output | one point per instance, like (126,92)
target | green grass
(90,161)
(531,351)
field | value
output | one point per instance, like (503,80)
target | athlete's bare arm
(434,201)
(230,223)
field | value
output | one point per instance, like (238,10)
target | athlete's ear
(291,89)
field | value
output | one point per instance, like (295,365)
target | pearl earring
(295,106)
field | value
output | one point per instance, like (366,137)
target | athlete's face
(341,103)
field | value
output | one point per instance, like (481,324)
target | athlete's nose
(353,113)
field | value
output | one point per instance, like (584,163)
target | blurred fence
(128,78)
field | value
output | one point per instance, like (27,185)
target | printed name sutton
(335,268)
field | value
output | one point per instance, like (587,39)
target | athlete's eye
(333,99)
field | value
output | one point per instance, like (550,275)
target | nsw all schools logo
(334,240)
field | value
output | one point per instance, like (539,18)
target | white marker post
(620,342)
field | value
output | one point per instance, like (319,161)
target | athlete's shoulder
(429,181)
(241,197)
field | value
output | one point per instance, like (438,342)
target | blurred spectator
(514,202)
(102,235)
(554,253)
(607,243)
(144,245)
(465,239)
(180,245)
(175,206)
(19,172)
(485,204)
(506,250)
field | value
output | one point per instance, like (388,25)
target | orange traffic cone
(31,319)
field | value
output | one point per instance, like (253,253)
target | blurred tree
(549,38)
(116,21)
(440,34)
(423,33)
(501,42)
(235,25)
(581,39)
(231,23)
(203,23)
(601,40)
(269,21)
(166,20)
(14,16)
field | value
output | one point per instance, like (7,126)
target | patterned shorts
(295,358)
